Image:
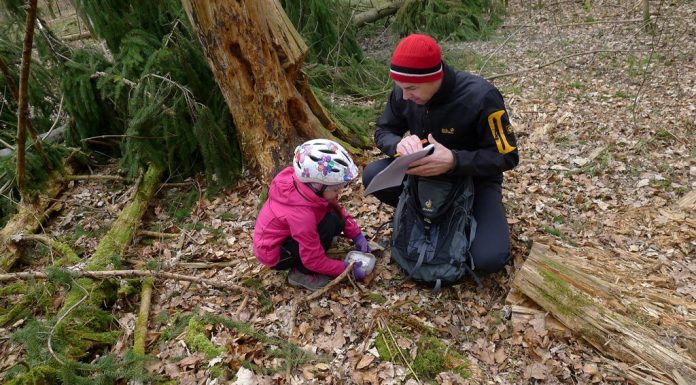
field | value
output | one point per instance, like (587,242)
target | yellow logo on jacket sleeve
(449,130)
(495,122)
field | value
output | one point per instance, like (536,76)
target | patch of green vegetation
(435,357)
(578,85)
(621,94)
(553,231)
(557,291)
(197,340)
(264,296)
(385,346)
(228,216)
(587,5)
(589,19)
(661,184)
(559,219)
(376,298)
(179,205)
(664,135)
(176,326)
(218,234)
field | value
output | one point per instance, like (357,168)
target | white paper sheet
(394,174)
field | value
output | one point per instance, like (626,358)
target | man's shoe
(312,282)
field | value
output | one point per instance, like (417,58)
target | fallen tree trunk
(29,218)
(79,316)
(615,318)
(108,274)
(377,13)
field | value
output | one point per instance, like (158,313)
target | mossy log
(110,250)
(376,13)
(29,218)
(616,318)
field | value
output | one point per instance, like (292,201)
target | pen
(423,142)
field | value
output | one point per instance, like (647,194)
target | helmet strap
(318,188)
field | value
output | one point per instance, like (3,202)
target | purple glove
(361,244)
(358,273)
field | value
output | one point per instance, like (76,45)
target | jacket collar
(448,82)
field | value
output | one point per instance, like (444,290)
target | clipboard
(393,175)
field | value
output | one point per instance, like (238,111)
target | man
(464,117)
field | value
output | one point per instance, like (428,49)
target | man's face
(419,93)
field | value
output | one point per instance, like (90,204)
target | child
(301,217)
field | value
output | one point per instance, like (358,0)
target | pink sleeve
(351,229)
(311,252)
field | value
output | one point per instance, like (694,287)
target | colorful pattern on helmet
(323,161)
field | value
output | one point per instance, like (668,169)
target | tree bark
(611,317)
(29,217)
(377,13)
(256,56)
(23,102)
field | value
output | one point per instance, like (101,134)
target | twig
(571,24)
(206,265)
(156,234)
(554,61)
(62,316)
(96,177)
(131,274)
(296,305)
(401,353)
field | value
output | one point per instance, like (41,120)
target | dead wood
(156,234)
(688,201)
(29,217)
(256,55)
(612,317)
(108,274)
(377,13)
(70,257)
(97,177)
(140,333)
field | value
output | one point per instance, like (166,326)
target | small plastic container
(368,260)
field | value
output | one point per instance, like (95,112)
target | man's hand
(439,162)
(409,145)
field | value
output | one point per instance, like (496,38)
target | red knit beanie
(416,59)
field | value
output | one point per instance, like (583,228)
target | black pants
(491,247)
(329,227)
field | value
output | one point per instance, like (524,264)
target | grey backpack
(433,230)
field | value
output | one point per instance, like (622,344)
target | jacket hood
(288,191)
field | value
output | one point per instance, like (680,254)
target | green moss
(435,357)
(38,375)
(198,341)
(376,298)
(13,288)
(385,346)
(559,292)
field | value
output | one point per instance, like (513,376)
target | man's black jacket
(467,115)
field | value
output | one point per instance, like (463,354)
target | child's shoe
(312,282)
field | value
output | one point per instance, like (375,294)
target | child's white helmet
(323,161)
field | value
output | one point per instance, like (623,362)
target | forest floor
(606,140)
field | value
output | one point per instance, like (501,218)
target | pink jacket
(293,209)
